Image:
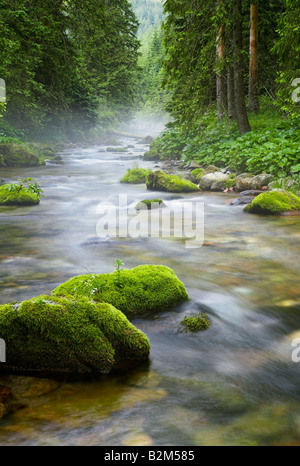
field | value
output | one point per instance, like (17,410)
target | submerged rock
(136,176)
(245,200)
(23,197)
(274,203)
(160,181)
(54,335)
(142,290)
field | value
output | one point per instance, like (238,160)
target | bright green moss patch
(59,335)
(274,202)
(198,173)
(142,290)
(136,176)
(24,197)
(150,204)
(196,323)
(159,181)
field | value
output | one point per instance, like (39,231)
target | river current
(234,384)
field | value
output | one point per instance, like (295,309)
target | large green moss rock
(136,176)
(274,203)
(142,290)
(160,181)
(59,335)
(14,155)
(23,197)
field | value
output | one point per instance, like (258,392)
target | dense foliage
(202,84)
(67,64)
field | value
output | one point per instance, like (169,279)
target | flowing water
(235,384)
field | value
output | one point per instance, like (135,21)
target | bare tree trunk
(240,106)
(221,78)
(230,94)
(253,67)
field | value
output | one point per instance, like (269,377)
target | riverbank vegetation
(70,68)
(233,97)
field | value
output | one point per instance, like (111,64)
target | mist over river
(234,384)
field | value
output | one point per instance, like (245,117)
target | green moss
(231,182)
(198,173)
(274,202)
(196,322)
(52,334)
(136,176)
(24,197)
(14,155)
(150,204)
(152,155)
(159,181)
(145,289)
(116,149)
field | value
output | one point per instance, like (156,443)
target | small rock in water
(242,201)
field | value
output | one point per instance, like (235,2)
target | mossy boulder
(274,203)
(58,335)
(196,322)
(22,197)
(14,155)
(150,204)
(136,176)
(116,149)
(160,181)
(198,173)
(142,290)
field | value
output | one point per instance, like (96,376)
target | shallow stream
(235,384)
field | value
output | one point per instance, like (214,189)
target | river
(234,384)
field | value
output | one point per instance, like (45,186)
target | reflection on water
(234,384)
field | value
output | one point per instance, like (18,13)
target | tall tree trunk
(240,106)
(221,77)
(230,94)
(253,68)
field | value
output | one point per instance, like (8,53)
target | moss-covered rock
(136,176)
(160,181)
(59,335)
(150,204)
(198,173)
(142,290)
(14,155)
(274,203)
(116,149)
(22,197)
(196,322)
